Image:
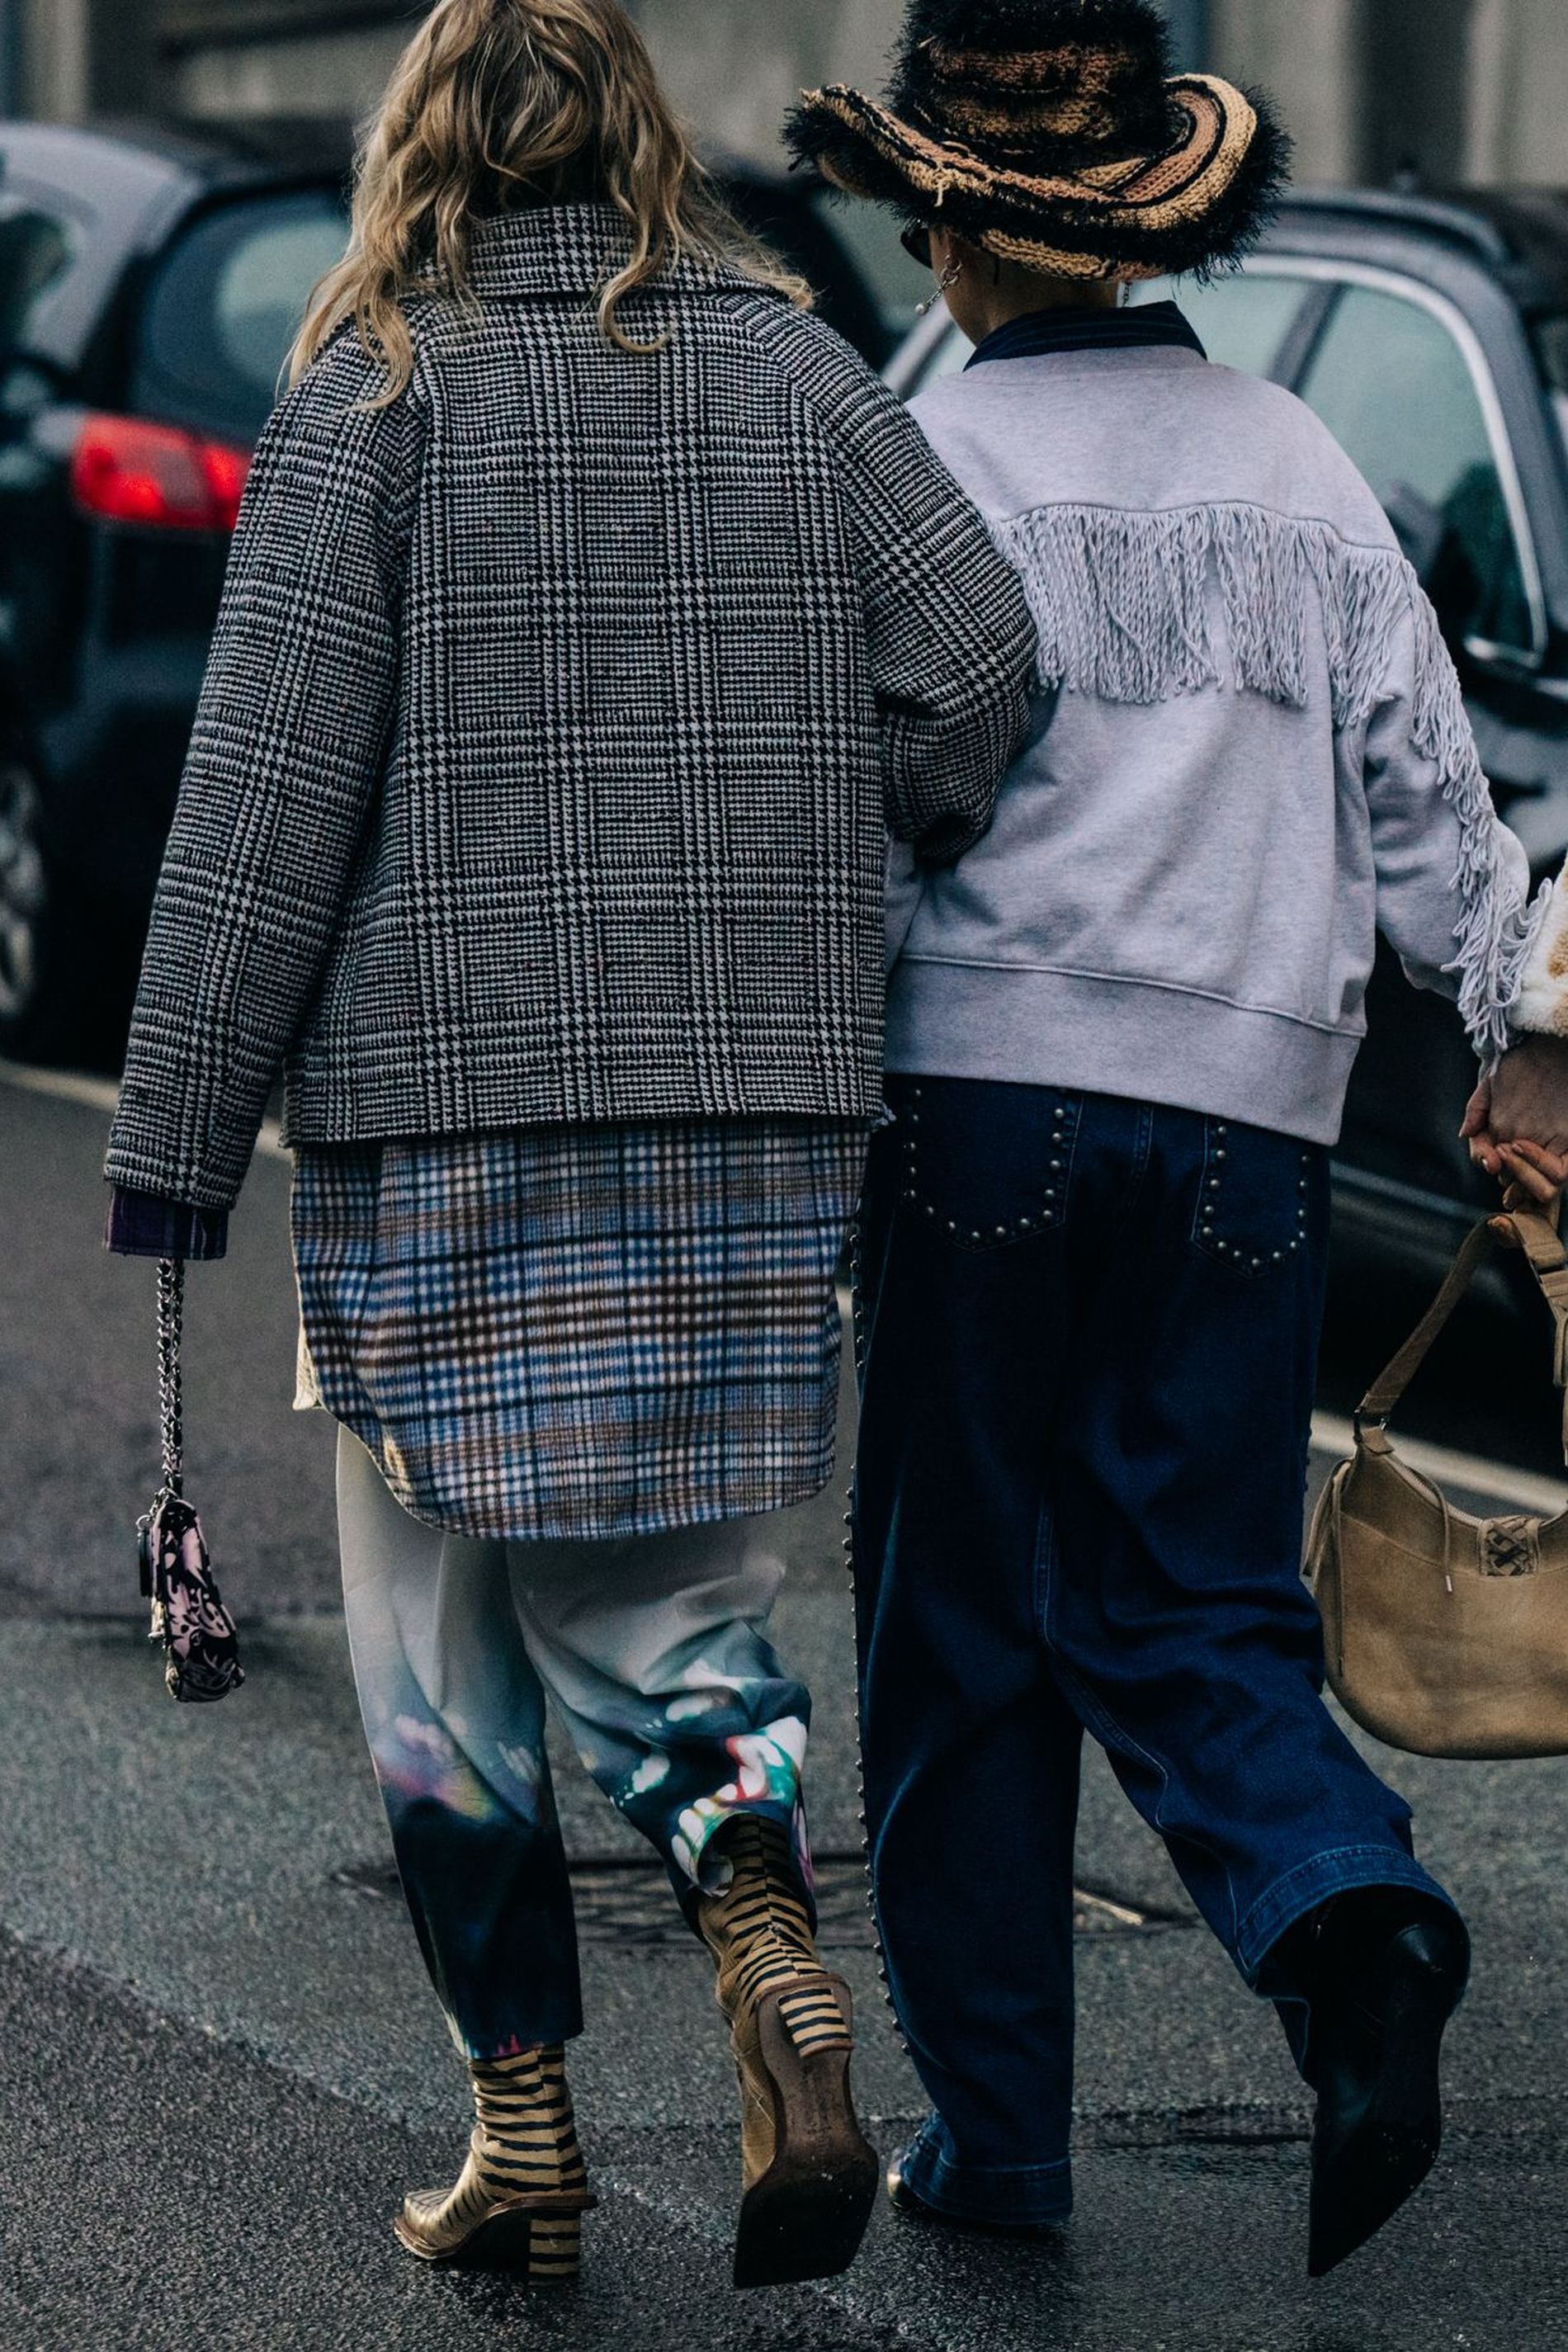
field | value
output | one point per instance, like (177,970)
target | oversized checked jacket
(554,717)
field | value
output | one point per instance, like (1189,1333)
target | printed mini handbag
(201,1647)
(1446,1635)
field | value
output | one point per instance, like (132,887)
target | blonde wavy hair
(497,105)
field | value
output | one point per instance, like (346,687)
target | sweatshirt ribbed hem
(1125,1037)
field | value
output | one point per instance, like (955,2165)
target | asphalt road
(222,2064)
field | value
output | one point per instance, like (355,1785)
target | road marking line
(1115,1914)
(103,1095)
(1497,1482)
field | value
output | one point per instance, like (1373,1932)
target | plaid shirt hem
(581,1333)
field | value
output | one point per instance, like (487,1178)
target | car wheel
(51,966)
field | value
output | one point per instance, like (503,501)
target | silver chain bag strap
(201,1647)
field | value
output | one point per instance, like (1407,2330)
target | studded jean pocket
(1254,1198)
(986,1165)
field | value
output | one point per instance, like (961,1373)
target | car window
(1551,339)
(35,251)
(1243,321)
(949,356)
(225,307)
(1392,384)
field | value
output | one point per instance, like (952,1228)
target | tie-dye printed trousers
(654,1652)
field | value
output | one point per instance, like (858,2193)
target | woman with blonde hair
(592,612)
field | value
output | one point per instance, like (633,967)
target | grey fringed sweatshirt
(1250,753)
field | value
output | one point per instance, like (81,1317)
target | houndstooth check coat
(553,720)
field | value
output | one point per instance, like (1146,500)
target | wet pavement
(224,2065)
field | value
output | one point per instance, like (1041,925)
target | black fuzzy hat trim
(992,95)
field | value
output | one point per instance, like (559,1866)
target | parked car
(150,286)
(1431,335)
(147,291)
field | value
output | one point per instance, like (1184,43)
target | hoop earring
(950,277)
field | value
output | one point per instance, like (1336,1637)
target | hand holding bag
(201,1647)
(1446,1635)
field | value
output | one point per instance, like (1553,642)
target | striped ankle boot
(809,2176)
(524,2189)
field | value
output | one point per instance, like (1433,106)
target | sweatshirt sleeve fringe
(1496,931)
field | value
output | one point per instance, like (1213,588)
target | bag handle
(1537,1235)
(171,1398)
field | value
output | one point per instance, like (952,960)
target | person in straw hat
(1093,1244)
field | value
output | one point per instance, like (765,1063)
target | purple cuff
(143,1224)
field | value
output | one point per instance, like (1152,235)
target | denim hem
(1312,1883)
(1007,2195)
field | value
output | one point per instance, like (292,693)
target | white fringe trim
(1125,609)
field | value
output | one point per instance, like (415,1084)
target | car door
(38,244)
(1403,381)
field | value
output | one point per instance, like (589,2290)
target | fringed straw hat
(1052,133)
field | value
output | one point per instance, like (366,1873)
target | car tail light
(125,470)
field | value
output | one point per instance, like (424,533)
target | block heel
(518,2202)
(545,2247)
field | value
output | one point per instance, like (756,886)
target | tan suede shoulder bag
(1446,1635)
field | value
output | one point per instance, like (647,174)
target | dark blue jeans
(1089,1331)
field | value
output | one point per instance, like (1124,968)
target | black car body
(146,293)
(1431,335)
(150,286)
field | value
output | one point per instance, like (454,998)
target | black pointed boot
(1387,1971)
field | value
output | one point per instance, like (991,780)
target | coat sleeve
(953,648)
(284,764)
(1453,882)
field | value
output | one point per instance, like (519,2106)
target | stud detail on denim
(941,1182)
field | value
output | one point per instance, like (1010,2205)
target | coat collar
(573,249)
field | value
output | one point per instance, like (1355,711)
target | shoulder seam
(799,372)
